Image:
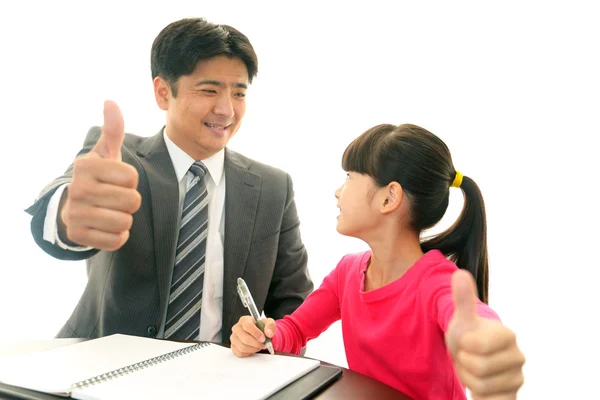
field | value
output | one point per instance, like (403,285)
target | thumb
(111,139)
(464,292)
(270,327)
(464,319)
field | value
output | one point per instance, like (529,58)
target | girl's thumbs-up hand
(485,352)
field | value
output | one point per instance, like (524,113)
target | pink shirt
(394,333)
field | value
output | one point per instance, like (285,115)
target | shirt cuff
(50,225)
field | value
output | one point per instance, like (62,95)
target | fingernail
(262,338)
(269,332)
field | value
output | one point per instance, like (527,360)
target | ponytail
(465,242)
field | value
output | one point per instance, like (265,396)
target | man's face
(209,105)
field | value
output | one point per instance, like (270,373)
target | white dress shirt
(212,295)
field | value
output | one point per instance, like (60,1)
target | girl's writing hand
(246,339)
(486,356)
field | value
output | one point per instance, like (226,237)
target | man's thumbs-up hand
(485,352)
(97,207)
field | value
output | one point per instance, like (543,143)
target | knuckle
(132,176)
(81,163)
(480,386)
(75,213)
(77,191)
(78,235)
(113,242)
(126,222)
(111,245)
(86,163)
(520,380)
(239,344)
(246,324)
(460,371)
(68,216)
(136,201)
(77,217)
(122,239)
(74,234)
(480,368)
(511,336)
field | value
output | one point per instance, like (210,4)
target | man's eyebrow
(220,84)
(210,82)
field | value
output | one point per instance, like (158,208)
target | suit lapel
(164,199)
(241,202)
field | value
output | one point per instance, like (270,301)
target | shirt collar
(182,161)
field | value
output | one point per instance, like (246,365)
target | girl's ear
(392,198)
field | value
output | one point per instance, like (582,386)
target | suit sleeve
(38,209)
(291,282)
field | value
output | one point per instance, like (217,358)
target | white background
(512,88)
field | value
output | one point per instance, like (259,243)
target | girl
(414,313)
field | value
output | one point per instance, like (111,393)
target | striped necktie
(185,299)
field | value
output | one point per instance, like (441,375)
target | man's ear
(393,197)
(162,93)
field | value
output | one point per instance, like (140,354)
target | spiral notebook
(129,367)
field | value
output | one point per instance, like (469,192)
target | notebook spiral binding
(137,366)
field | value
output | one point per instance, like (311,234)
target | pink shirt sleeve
(437,295)
(320,309)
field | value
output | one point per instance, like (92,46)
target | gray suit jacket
(128,289)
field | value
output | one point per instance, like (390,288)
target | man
(168,223)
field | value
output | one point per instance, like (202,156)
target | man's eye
(242,95)
(210,91)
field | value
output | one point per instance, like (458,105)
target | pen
(248,302)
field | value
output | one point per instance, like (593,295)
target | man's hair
(179,47)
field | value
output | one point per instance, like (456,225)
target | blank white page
(211,372)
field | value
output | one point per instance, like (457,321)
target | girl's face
(359,203)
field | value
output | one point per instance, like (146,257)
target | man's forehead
(222,69)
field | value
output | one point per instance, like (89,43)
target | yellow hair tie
(458,178)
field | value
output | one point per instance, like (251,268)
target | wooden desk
(351,385)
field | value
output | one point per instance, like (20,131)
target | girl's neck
(391,257)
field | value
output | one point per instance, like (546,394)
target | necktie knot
(198,169)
